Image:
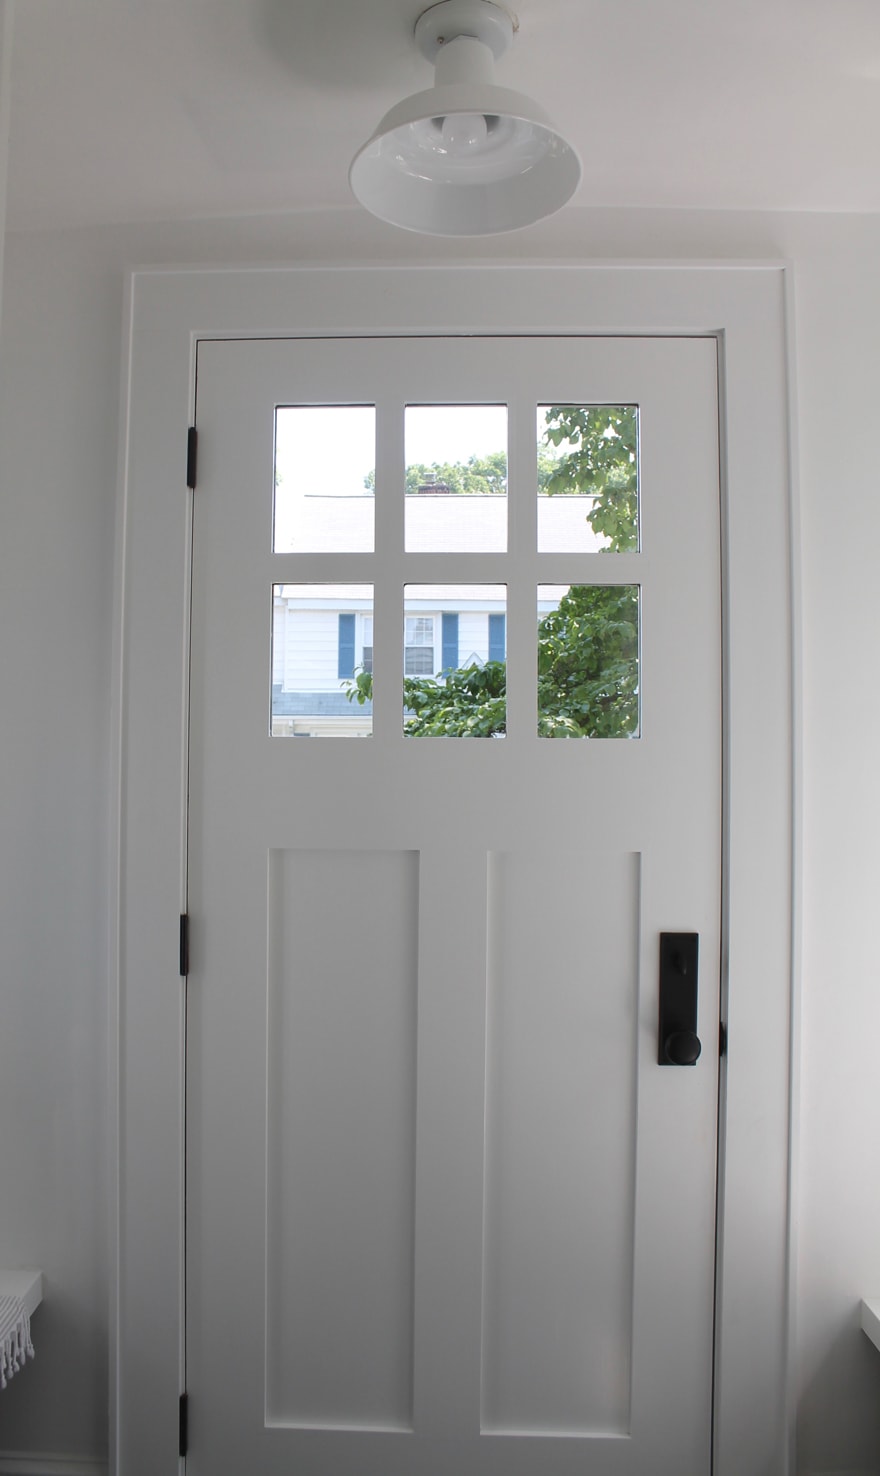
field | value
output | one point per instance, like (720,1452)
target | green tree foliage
(599,460)
(478,475)
(466,703)
(588,664)
(588,646)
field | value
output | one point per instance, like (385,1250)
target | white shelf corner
(28,1285)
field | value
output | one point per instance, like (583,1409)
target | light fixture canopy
(465,157)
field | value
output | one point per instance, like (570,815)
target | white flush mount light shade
(465,157)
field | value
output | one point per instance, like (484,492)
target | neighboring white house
(323,633)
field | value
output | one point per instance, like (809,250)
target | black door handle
(681,1048)
(678,1042)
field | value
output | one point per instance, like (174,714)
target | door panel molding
(744,308)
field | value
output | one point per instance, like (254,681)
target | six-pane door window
(454,646)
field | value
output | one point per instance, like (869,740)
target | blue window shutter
(346,646)
(497,634)
(450,642)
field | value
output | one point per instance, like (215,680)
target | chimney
(433,486)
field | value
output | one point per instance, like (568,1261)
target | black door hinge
(182,1425)
(184,944)
(192,446)
(722,1039)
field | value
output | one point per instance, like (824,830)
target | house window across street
(418,645)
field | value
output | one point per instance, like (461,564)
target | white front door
(446,1213)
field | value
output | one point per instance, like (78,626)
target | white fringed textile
(15,1338)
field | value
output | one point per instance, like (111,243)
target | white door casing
(172,310)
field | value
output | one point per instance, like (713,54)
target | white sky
(330,449)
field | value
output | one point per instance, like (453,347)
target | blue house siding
(315,704)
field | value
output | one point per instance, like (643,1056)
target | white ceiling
(146,110)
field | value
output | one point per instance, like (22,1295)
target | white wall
(58,397)
(59,393)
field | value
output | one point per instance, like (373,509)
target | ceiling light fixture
(465,157)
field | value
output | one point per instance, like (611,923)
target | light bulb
(464,133)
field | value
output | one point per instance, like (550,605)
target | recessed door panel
(341,1106)
(560,1170)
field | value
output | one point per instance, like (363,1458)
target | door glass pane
(456,478)
(325,457)
(588,661)
(454,660)
(322,660)
(588,478)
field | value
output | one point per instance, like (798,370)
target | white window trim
(364,629)
(746,307)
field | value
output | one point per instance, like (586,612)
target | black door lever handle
(678,1042)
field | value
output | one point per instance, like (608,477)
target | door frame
(746,309)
